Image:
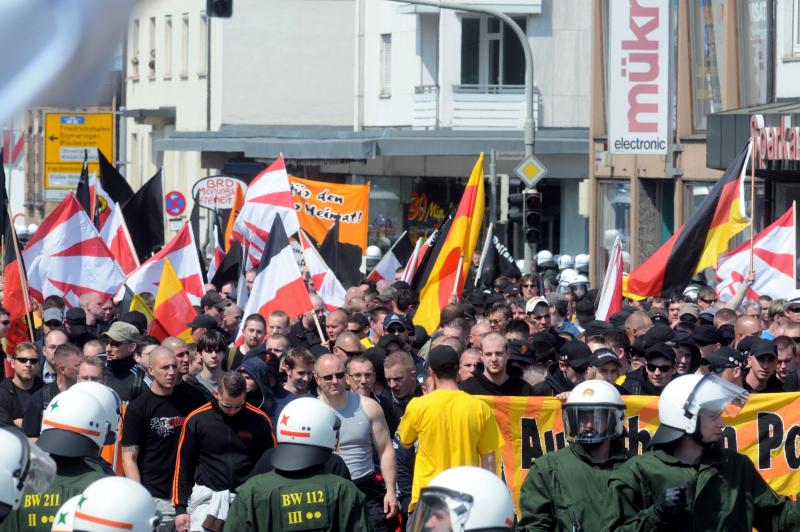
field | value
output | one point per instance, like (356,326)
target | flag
(238,203)
(344,259)
(67,257)
(268,195)
(15,290)
(218,252)
(397,257)
(83,192)
(452,261)
(496,261)
(194,221)
(115,234)
(144,214)
(279,284)
(429,251)
(113,183)
(411,264)
(172,310)
(326,284)
(774,252)
(697,244)
(230,268)
(182,255)
(138,305)
(610,300)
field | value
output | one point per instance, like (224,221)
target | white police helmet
(582,262)
(682,400)
(111,402)
(462,499)
(64,520)
(23,467)
(74,424)
(306,432)
(565,261)
(594,412)
(112,504)
(544,259)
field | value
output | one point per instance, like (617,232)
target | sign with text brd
(638,77)
(319,203)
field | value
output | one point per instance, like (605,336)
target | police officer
(298,494)
(23,467)
(74,428)
(561,491)
(464,498)
(687,481)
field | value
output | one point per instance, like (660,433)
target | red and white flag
(774,252)
(326,284)
(68,257)
(279,284)
(115,235)
(218,253)
(610,301)
(397,257)
(182,254)
(268,196)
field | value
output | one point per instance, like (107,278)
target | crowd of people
(356,418)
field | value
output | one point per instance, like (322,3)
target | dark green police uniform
(724,492)
(303,500)
(38,510)
(565,490)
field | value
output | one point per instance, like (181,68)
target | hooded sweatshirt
(263,397)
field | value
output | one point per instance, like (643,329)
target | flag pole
(752,203)
(458,272)
(489,235)
(313,313)
(22,280)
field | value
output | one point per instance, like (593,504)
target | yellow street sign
(66,137)
(530,170)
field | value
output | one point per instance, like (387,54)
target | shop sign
(774,143)
(638,77)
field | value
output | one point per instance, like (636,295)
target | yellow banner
(319,203)
(767,431)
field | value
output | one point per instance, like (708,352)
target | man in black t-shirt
(152,427)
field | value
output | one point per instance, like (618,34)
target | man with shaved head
(363,431)
(347,345)
(637,324)
(181,351)
(746,326)
(152,427)
(335,324)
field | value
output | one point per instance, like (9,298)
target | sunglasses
(792,309)
(653,367)
(228,405)
(339,376)
(396,330)
(528,285)
(114,343)
(708,301)
(31,361)
(6,322)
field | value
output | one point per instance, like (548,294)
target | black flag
(83,193)
(112,181)
(144,214)
(344,259)
(497,262)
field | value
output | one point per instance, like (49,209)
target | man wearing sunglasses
(16,392)
(657,372)
(220,444)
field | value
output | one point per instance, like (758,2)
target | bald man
(637,324)
(746,326)
(335,324)
(363,431)
(181,350)
(347,345)
(92,304)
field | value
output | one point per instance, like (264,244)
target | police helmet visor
(294,457)
(36,469)
(714,394)
(591,423)
(62,442)
(441,510)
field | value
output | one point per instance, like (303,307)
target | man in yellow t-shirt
(451,427)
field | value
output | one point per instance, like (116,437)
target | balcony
(472,107)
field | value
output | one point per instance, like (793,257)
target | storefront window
(385,211)
(706,17)
(755,45)
(614,213)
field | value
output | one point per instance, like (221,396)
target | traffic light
(532,216)
(515,205)
(219,8)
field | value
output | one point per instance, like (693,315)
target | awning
(343,144)
(778,143)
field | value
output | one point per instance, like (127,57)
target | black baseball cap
(202,321)
(576,354)
(442,357)
(706,335)
(584,310)
(725,357)
(661,349)
(761,347)
(597,328)
(520,351)
(604,356)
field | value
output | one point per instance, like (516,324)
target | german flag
(698,243)
(459,244)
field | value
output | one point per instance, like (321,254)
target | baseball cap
(793,300)
(584,310)
(442,357)
(520,351)
(725,357)
(394,318)
(661,349)
(212,299)
(202,321)
(603,356)
(761,347)
(511,289)
(576,354)
(122,332)
(706,335)
(76,316)
(52,314)
(597,328)
(534,302)
(689,308)
(477,298)
(657,334)
(707,315)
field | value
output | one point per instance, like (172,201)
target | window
(167,47)
(756,56)
(614,217)
(151,62)
(202,68)
(706,17)
(135,49)
(386,65)
(491,53)
(185,45)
